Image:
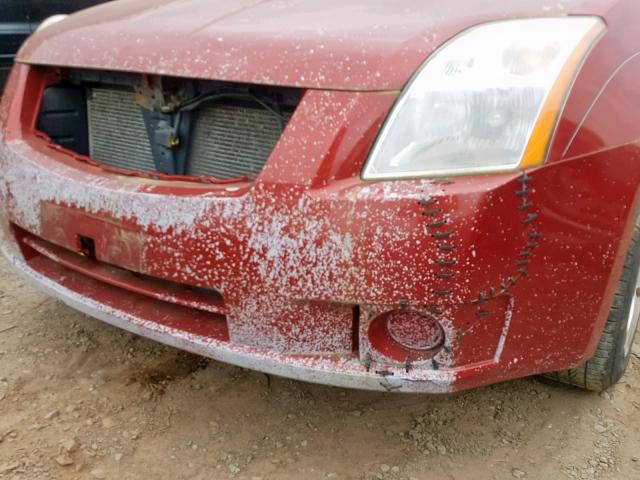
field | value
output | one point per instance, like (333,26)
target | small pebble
(64,460)
(98,473)
(69,445)
(52,414)
(108,422)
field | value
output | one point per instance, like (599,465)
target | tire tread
(598,373)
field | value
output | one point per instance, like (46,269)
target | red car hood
(328,44)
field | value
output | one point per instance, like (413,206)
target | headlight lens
(487,101)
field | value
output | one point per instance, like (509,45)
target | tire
(614,349)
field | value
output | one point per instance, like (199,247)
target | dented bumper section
(303,277)
(309,272)
(207,338)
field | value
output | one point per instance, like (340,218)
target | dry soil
(80,399)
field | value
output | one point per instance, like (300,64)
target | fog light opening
(415,331)
(399,335)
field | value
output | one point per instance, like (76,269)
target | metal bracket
(165,128)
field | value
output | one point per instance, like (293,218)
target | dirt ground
(80,399)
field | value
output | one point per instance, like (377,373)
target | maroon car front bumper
(289,274)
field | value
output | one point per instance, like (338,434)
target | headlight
(487,101)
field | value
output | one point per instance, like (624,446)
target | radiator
(117,135)
(226,141)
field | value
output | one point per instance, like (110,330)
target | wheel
(614,350)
